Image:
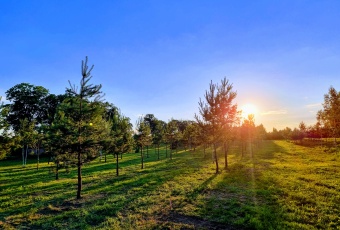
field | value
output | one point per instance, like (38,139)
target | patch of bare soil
(191,222)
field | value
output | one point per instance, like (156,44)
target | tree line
(79,126)
(326,126)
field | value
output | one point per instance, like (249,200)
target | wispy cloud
(313,105)
(275,112)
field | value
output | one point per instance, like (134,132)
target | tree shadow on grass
(112,195)
(242,197)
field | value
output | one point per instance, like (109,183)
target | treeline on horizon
(76,127)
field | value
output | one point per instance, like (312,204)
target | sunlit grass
(285,186)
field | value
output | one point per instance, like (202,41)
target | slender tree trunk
(226,148)
(117,168)
(216,160)
(38,160)
(121,155)
(142,156)
(166,150)
(23,155)
(79,150)
(79,177)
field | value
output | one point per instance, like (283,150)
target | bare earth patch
(190,222)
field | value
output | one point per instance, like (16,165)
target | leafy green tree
(173,135)
(58,139)
(261,132)
(26,135)
(36,144)
(153,123)
(143,137)
(329,116)
(217,112)
(121,138)
(191,135)
(6,139)
(158,134)
(204,138)
(49,108)
(302,131)
(27,103)
(287,133)
(31,103)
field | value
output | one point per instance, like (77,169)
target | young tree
(121,139)
(58,139)
(143,137)
(247,134)
(172,134)
(217,112)
(329,116)
(190,135)
(26,135)
(82,117)
(36,144)
(158,134)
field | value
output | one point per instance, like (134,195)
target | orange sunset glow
(248,109)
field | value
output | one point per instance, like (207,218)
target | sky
(159,56)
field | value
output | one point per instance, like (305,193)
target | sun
(248,109)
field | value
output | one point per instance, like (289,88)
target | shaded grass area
(284,186)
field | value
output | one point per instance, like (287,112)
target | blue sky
(160,56)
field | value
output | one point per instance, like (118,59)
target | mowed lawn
(283,186)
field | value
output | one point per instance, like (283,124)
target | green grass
(285,186)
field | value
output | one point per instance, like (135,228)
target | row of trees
(78,126)
(327,125)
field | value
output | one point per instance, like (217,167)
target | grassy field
(284,186)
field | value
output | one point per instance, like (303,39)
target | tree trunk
(117,169)
(142,156)
(38,159)
(216,161)
(79,150)
(26,155)
(23,155)
(121,155)
(79,177)
(226,148)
